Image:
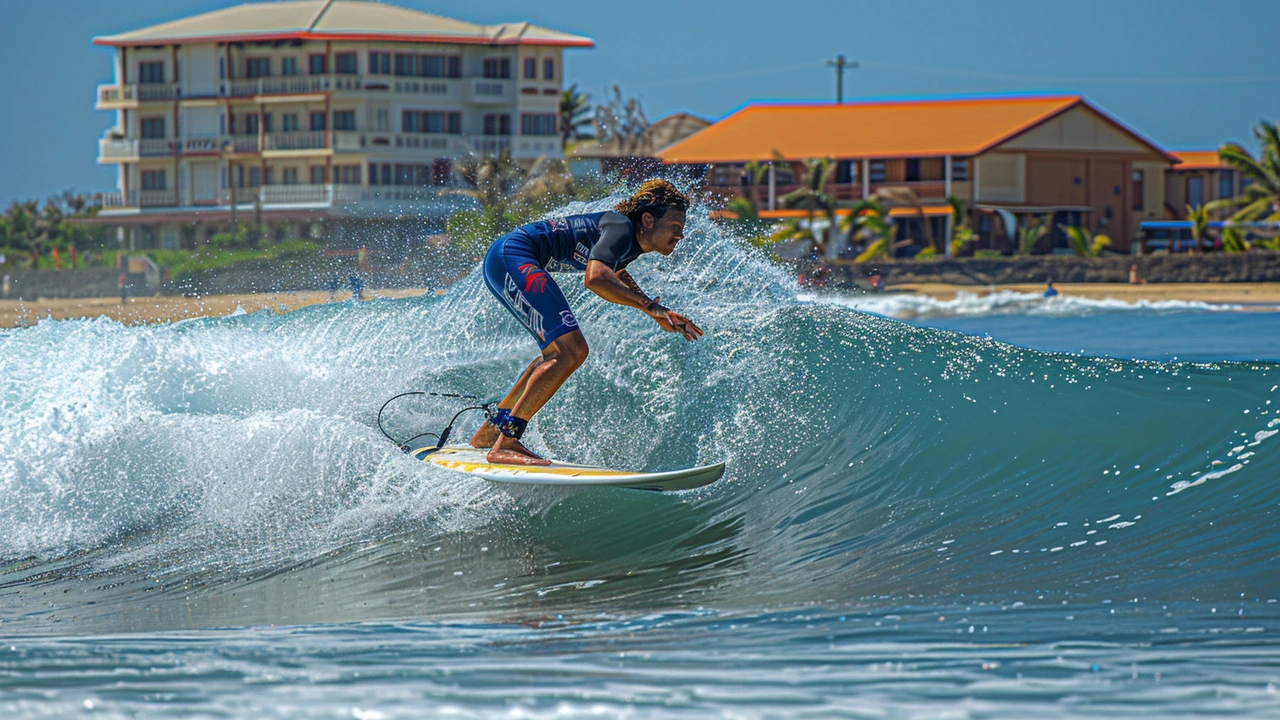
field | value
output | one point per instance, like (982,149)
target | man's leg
(564,355)
(488,433)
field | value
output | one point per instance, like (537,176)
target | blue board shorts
(514,275)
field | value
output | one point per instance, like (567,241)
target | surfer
(600,245)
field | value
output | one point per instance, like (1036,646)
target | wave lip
(903,306)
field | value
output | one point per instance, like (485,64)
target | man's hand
(672,321)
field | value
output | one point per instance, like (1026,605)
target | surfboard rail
(473,462)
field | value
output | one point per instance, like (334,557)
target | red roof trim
(371,37)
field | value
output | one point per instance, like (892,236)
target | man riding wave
(600,245)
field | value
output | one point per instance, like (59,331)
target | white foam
(904,306)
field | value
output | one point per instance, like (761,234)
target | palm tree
(1085,243)
(1199,217)
(1260,200)
(756,172)
(1031,233)
(812,195)
(575,114)
(903,195)
(961,233)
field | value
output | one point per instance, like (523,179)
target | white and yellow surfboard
(472,461)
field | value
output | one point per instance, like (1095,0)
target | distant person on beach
(122,283)
(1133,275)
(357,287)
(600,245)
(1049,290)
(332,287)
(877,282)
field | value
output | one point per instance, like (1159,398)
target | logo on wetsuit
(522,309)
(535,279)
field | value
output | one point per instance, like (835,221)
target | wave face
(229,471)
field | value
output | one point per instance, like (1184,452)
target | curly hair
(655,197)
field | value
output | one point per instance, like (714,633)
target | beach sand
(1225,293)
(168,308)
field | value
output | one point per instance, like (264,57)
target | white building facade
(316,109)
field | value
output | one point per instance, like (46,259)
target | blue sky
(1185,73)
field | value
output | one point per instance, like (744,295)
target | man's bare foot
(486,436)
(509,451)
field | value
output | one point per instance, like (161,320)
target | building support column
(946,184)
(773,187)
(866,178)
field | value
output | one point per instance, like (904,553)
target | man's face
(666,231)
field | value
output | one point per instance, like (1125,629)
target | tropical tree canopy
(575,115)
(1085,243)
(812,196)
(1260,199)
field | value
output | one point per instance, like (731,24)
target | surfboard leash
(443,436)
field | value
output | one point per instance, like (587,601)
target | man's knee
(572,349)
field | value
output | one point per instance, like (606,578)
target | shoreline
(1215,293)
(171,308)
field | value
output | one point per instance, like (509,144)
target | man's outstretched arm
(620,288)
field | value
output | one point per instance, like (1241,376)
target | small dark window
(960,169)
(548,69)
(538,125)
(530,69)
(1195,191)
(497,68)
(497,124)
(250,124)
(258,67)
(406,65)
(877,171)
(317,121)
(344,120)
(846,172)
(379,62)
(317,174)
(318,64)
(913,170)
(1226,183)
(153,180)
(346,64)
(152,128)
(150,73)
(289,66)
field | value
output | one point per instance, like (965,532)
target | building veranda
(1009,160)
(316,116)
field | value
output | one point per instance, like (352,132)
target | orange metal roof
(915,128)
(1198,160)
(896,212)
(335,20)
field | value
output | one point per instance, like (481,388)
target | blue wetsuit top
(567,243)
(516,267)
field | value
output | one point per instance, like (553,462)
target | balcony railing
(276,196)
(487,91)
(295,141)
(116,94)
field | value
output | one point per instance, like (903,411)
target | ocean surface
(988,508)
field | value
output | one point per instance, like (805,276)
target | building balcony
(295,141)
(273,197)
(116,96)
(487,91)
(112,150)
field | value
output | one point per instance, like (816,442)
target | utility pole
(840,63)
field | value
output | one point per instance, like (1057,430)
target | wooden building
(1007,158)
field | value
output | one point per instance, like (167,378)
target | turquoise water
(201,519)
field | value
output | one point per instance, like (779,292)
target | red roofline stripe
(370,37)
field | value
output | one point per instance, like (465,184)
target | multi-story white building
(311,110)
